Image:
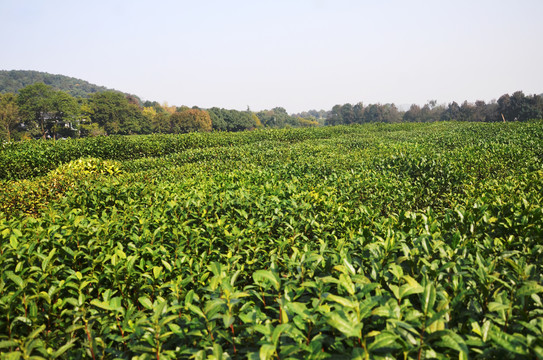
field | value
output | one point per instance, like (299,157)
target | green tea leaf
(146,302)
(15,278)
(383,341)
(529,288)
(267,351)
(341,300)
(339,320)
(13,242)
(260,276)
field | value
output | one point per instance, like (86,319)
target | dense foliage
(11,81)
(40,111)
(233,120)
(377,241)
(34,105)
(515,107)
(190,120)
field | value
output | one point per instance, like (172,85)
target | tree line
(515,107)
(40,111)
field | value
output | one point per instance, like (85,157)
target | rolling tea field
(405,241)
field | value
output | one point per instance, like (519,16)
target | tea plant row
(406,241)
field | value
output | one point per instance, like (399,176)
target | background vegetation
(41,105)
(11,81)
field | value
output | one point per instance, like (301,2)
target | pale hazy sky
(298,54)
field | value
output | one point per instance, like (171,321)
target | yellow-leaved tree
(190,120)
(9,115)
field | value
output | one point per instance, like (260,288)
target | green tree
(91,130)
(266,117)
(282,118)
(431,112)
(47,110)
(452,112)
(413,114)
(467,112)
(232,120)
(480,111)
(9,115)
(155,115)
(335,116)
(522,108)
(35,103)
(390,113)
(277,118)
(373,113)
(240,120)
(347,113)
(84,119)
(491,112)
(161,123)
(358,110)
(63,112)
(117,115)
(217,119)
(190,120)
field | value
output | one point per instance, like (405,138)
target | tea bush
(378,241)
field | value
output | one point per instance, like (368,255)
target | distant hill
(14,80)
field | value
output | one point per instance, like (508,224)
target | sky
(297,54)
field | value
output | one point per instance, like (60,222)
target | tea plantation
(404,241)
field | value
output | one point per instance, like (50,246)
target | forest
(515,107)
(37,105)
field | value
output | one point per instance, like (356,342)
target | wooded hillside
(14,80)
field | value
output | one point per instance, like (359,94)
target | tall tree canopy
(189,120)
(348,114)
(116,114)
(277,117)
(35,104)
(232,120)
(9,115)
(45,109)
